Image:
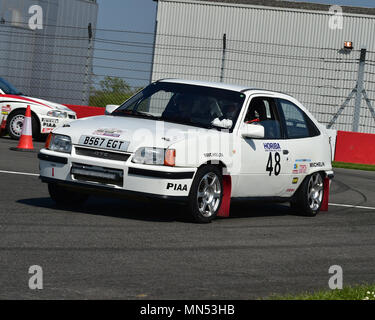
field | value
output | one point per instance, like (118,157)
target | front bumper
(113,176)
(47,123)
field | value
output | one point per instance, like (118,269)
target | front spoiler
(112,192)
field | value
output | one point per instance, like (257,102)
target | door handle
(285,152)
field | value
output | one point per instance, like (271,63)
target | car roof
(220,85)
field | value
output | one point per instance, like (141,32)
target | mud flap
(225,203)
(327,183)
(2,127)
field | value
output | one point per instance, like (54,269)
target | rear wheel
(206,194)
(15,124)
(64,197)
(309,197)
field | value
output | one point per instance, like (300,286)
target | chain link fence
(321,78)
(99,67)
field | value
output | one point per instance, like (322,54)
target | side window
(262,111)
(295,120)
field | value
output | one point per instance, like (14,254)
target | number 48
(277,167)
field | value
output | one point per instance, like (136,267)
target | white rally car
(202,143)
(46,115)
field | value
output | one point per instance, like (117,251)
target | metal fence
(321,78)
(99,67)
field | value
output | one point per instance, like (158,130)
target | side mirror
(109,108)
(252,131)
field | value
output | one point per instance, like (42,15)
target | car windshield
(187,104)
(7,88)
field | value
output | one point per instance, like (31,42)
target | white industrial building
(54,62)
(294,47)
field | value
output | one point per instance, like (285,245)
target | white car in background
(46,115)
(201,143)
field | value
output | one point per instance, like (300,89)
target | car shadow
(250,209)
(156,211)
(118,208)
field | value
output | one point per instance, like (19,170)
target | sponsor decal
(177,187)
(5,110)
(302,168)
(303,160)
(295,180)
(317,164)
(108,132)
(290,190)
(271,146)
(299,168)
(215,154)
(47,130)
(51,123)
(295,168)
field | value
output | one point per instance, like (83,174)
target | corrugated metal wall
(48,63)
(290,50)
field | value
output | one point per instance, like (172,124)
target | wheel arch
(227,186)
(33,114)
(218,163)
(322,172)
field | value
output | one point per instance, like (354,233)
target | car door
(265,163)
(302,140)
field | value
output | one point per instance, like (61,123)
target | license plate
(104,143)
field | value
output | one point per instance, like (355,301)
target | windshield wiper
(134,113)
(188,123)
(144,114)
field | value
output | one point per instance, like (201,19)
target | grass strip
(355,166)
(359,292)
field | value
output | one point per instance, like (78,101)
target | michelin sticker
(317,164)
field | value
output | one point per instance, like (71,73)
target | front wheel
(309,197)
(15,124)
(64,197)
(206,194)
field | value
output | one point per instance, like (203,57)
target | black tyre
(206,194)
(64,197)
(15,124)
(309,197)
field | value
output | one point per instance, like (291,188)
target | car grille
(87,173)
(102,154)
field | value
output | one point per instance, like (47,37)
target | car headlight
(156,156)
(59,143)
(57,114)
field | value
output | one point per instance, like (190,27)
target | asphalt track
(116,249)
